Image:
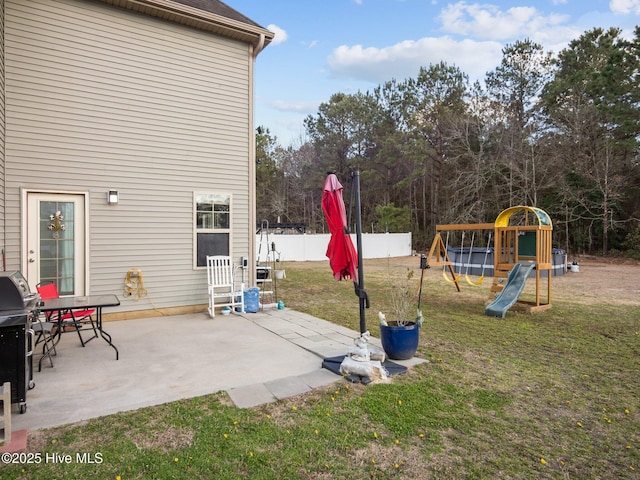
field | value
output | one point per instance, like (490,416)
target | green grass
(550,395)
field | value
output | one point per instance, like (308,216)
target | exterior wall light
(112,197)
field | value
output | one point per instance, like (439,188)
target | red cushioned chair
(68,317)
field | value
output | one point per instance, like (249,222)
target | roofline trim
(257,36)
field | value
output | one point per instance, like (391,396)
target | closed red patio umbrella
(343,257)
(346,263)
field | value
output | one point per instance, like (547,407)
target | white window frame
(211,229)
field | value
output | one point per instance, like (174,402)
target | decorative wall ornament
(56,224)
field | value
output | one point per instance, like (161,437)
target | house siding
(99,98)
(2,213)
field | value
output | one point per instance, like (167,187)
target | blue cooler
(252,300)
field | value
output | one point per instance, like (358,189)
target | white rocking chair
(221,284)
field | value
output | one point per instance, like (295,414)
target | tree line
(559,132)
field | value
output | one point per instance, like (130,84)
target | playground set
(521,248)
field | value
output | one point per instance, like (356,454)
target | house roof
(210,15)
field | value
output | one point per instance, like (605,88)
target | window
(212,225)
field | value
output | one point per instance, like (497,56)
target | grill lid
(15,293)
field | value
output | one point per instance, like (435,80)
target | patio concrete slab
(251,395)
(162,359)
(288,387)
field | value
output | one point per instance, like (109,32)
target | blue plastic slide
(509,295)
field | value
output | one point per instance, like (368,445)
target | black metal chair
(45,332)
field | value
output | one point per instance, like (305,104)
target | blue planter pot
(400,342)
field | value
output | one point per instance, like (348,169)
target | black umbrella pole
(360,291)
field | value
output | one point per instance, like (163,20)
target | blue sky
(330,46)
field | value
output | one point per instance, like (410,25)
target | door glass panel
(57,243)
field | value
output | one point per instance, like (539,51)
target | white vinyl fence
(313,247)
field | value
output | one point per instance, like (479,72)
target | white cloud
(404,59)
(490,22)
(311,44)
(625,6)
(280,35)
(295,106)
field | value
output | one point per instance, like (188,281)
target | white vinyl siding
(99,99)
(2,123)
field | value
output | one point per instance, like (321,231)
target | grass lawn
(550,395)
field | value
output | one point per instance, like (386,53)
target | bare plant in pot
(400,334)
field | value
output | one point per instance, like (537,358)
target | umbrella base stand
(333,365)
(363,364)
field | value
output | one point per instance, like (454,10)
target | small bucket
(575,268)
(280,274)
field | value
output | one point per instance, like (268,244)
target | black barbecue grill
(18,308)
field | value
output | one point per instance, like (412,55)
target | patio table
(69,304)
